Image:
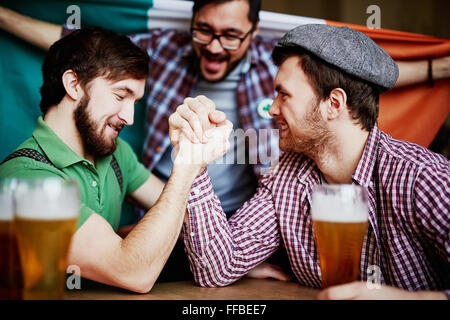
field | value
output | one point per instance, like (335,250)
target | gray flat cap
(347,49)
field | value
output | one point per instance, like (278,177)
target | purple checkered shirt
(173,73)
(409,221)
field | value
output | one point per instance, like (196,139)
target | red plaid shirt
(409,221)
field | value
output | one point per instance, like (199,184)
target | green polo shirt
(100,190)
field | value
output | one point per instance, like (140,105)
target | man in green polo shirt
(92,79)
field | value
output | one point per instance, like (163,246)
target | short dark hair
(90,52)
(362,96)
(253,14)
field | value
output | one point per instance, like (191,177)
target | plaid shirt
(173,73)
(409,221)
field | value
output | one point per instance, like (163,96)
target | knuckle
(195,107)
(198,105)
(180,108)
(188,100)
(173,119)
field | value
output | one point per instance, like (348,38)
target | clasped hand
(198,132)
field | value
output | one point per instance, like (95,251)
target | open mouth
(213,63)
(283,127)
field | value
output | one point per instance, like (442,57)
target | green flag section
(20,62)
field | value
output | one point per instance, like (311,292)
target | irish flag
(413,113)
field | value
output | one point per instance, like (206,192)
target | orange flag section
(413,113)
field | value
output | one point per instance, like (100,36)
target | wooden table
(244,289)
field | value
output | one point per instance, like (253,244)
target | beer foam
(50,202)
(6,207)
(334,209)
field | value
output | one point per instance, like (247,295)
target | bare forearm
(39,33)
(415,72)
(146,196)
(149,244)
(411,72)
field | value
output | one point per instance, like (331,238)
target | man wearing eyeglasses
(221,58)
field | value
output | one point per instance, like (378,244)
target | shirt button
(84,163)
(94,183)
(192,234)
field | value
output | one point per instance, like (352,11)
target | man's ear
(337,103)
(71,84)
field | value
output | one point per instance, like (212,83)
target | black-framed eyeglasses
(227,41)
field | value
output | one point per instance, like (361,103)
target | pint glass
(10,272)
(339,214)
(45,220)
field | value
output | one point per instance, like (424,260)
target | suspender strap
(117,172)
(29,153)
(36,155)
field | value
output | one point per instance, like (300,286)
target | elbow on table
(136,280)
(144,288)
(141,285)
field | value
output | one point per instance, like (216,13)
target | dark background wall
(430,17)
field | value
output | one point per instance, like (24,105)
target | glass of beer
(46,215)
(339,215)
(10,272)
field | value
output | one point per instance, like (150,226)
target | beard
(313,138)
(92,137)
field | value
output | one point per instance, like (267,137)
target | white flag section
(176,14)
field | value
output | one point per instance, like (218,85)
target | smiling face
(228,18)
(297,111)
(104,110)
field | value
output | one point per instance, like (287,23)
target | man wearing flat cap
(328,86)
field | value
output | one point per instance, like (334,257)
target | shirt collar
(55,149)
(364,170)
(308,172)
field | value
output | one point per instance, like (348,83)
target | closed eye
(283,94)
(119,97)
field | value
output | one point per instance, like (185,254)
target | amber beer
(339,214)
(45,220)
(10,272)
